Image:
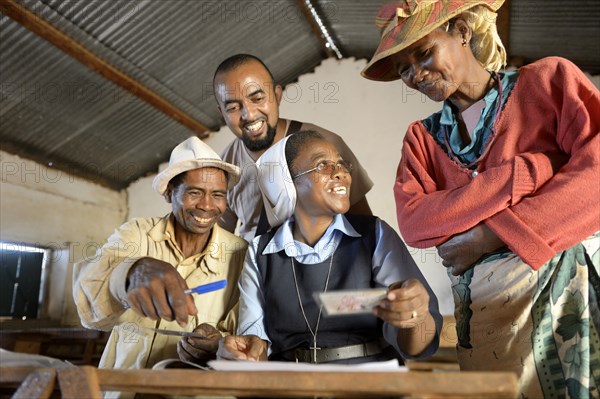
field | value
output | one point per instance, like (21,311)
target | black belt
(337,353)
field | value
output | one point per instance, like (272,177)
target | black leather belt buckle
(326,355)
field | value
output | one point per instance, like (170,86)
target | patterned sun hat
(404,22)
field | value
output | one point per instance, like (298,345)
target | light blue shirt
(391,263)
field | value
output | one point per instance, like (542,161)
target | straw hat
(405,22)
(192,154)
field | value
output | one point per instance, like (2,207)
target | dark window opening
(21,280)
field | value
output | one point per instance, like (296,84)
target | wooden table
(86,381)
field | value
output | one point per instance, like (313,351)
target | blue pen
(203,289)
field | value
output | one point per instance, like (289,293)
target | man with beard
(249,99)
(135,284)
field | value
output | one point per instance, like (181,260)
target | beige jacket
(99,289)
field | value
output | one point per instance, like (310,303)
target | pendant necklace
(314,333)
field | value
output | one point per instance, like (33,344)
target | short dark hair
(176,181)
(238,60)
(297,142)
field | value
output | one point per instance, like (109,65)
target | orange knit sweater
(553,108)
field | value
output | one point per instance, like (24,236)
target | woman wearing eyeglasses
(316,248)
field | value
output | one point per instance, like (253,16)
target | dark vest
(351,269)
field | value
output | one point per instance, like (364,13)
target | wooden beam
(44,29)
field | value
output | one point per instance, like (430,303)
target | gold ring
(414,314)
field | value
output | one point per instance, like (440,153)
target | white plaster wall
(371,117)
(49,208)
(43,205)
(60,287)
(143,201)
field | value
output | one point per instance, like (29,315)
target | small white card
(350,302)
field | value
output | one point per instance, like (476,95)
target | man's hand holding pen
(156,290)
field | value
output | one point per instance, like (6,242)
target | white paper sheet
(17,359)
(242,365)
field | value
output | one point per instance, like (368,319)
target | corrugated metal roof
(57,111)
(353,23)
(541,28)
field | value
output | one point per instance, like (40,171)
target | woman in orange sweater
(505,182)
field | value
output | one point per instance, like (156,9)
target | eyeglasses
(328,168)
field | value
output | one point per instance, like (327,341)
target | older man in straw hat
(136,281)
